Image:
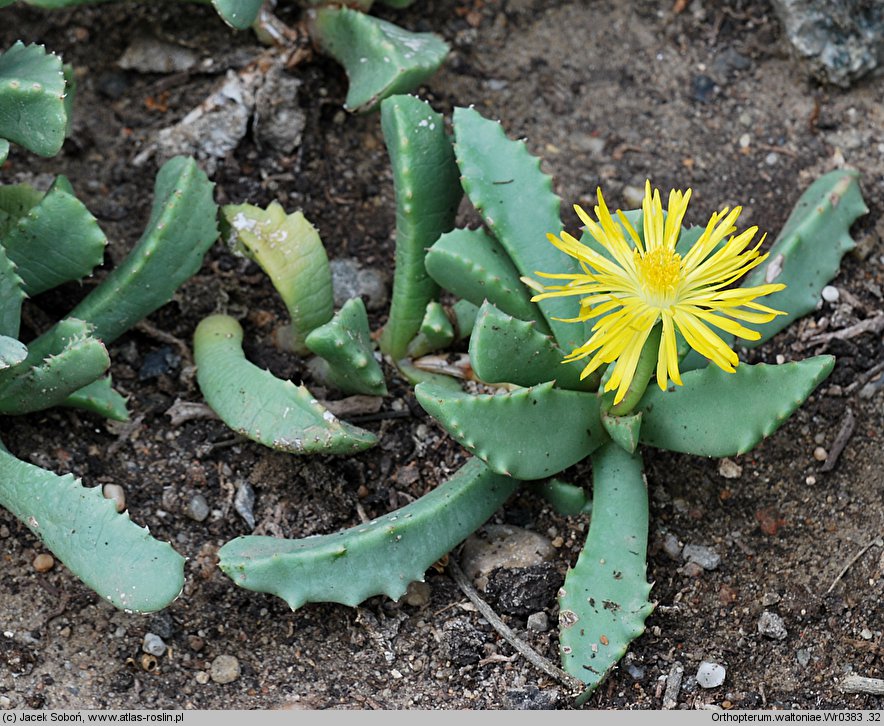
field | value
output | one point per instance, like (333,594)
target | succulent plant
(47,239)
(544,411)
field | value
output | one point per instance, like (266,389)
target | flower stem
(646,365)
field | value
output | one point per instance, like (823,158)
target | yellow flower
(642,280)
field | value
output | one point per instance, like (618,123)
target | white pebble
(225,669)
(820,454)
(730,469)
(830,294)
(745,140)
(771,158)
(710,675)
(153,644)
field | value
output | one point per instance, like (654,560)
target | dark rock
(531,698)
(162,624)
(463,641)
(158,362)
(702,88)
(113,84)
(524,590)
(841,41)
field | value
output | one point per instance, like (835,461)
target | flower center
(659,271)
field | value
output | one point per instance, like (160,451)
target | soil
(608,94)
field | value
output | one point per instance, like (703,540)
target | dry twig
(847,426)
(860,684)
(876,542)
(508,635)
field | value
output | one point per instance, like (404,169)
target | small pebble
(820,454)
(729,469)
(772,626)
(418,594)
(803,657)
(672,547)
(197,508)
(710,675)
(117,494)
(202,677)
(745,119)
(43,562)
(866,634)
(706,557)
(810,481)
(770,598)
(831,294)
(225,669)
(632,197)
(771,158)
(745,140)
(244,502)
(538,622)
(153,644)
(692,569)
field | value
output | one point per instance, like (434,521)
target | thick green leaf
(531,433)
(623,430)
(504,182)
(55,241)
(57,364)
(436,332)
(260,406)
(12,352)
(566,499)
(719,414)
(239,14)
(12,296)
(474,266)
(99,397)
(603,604)
(427,194)
(506,350)
(105,549)
(288,248)
(381,59)
(347,357)
(32,110)
(4,150)
(808,251)
(380,557)
(182,227)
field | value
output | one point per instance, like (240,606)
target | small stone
(197,508)
(462,641)
(244,503)
(710,675)
(745,119)
(830,294)
(350,279)
(772,158)
(43,562)
(866,634)
(225,669)
(196,643)
(673,686)
(772,626)
(706,557)
(530,698)
(117,494)
(153,644)
(151,55)
(802,655)
(418,594)
(633,196)
(162,624)
(729,469)
(672,547)
(820,454)
(538,622)
(745,140)
(202,677)
(692,569)
(523,590)
(770,598)
(702,88)
(503,546)
(158,362)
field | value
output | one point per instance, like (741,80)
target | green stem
(647,364)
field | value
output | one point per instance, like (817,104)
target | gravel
(153,644)
(706,557)
(225,669)
(772,626)
(197,508)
